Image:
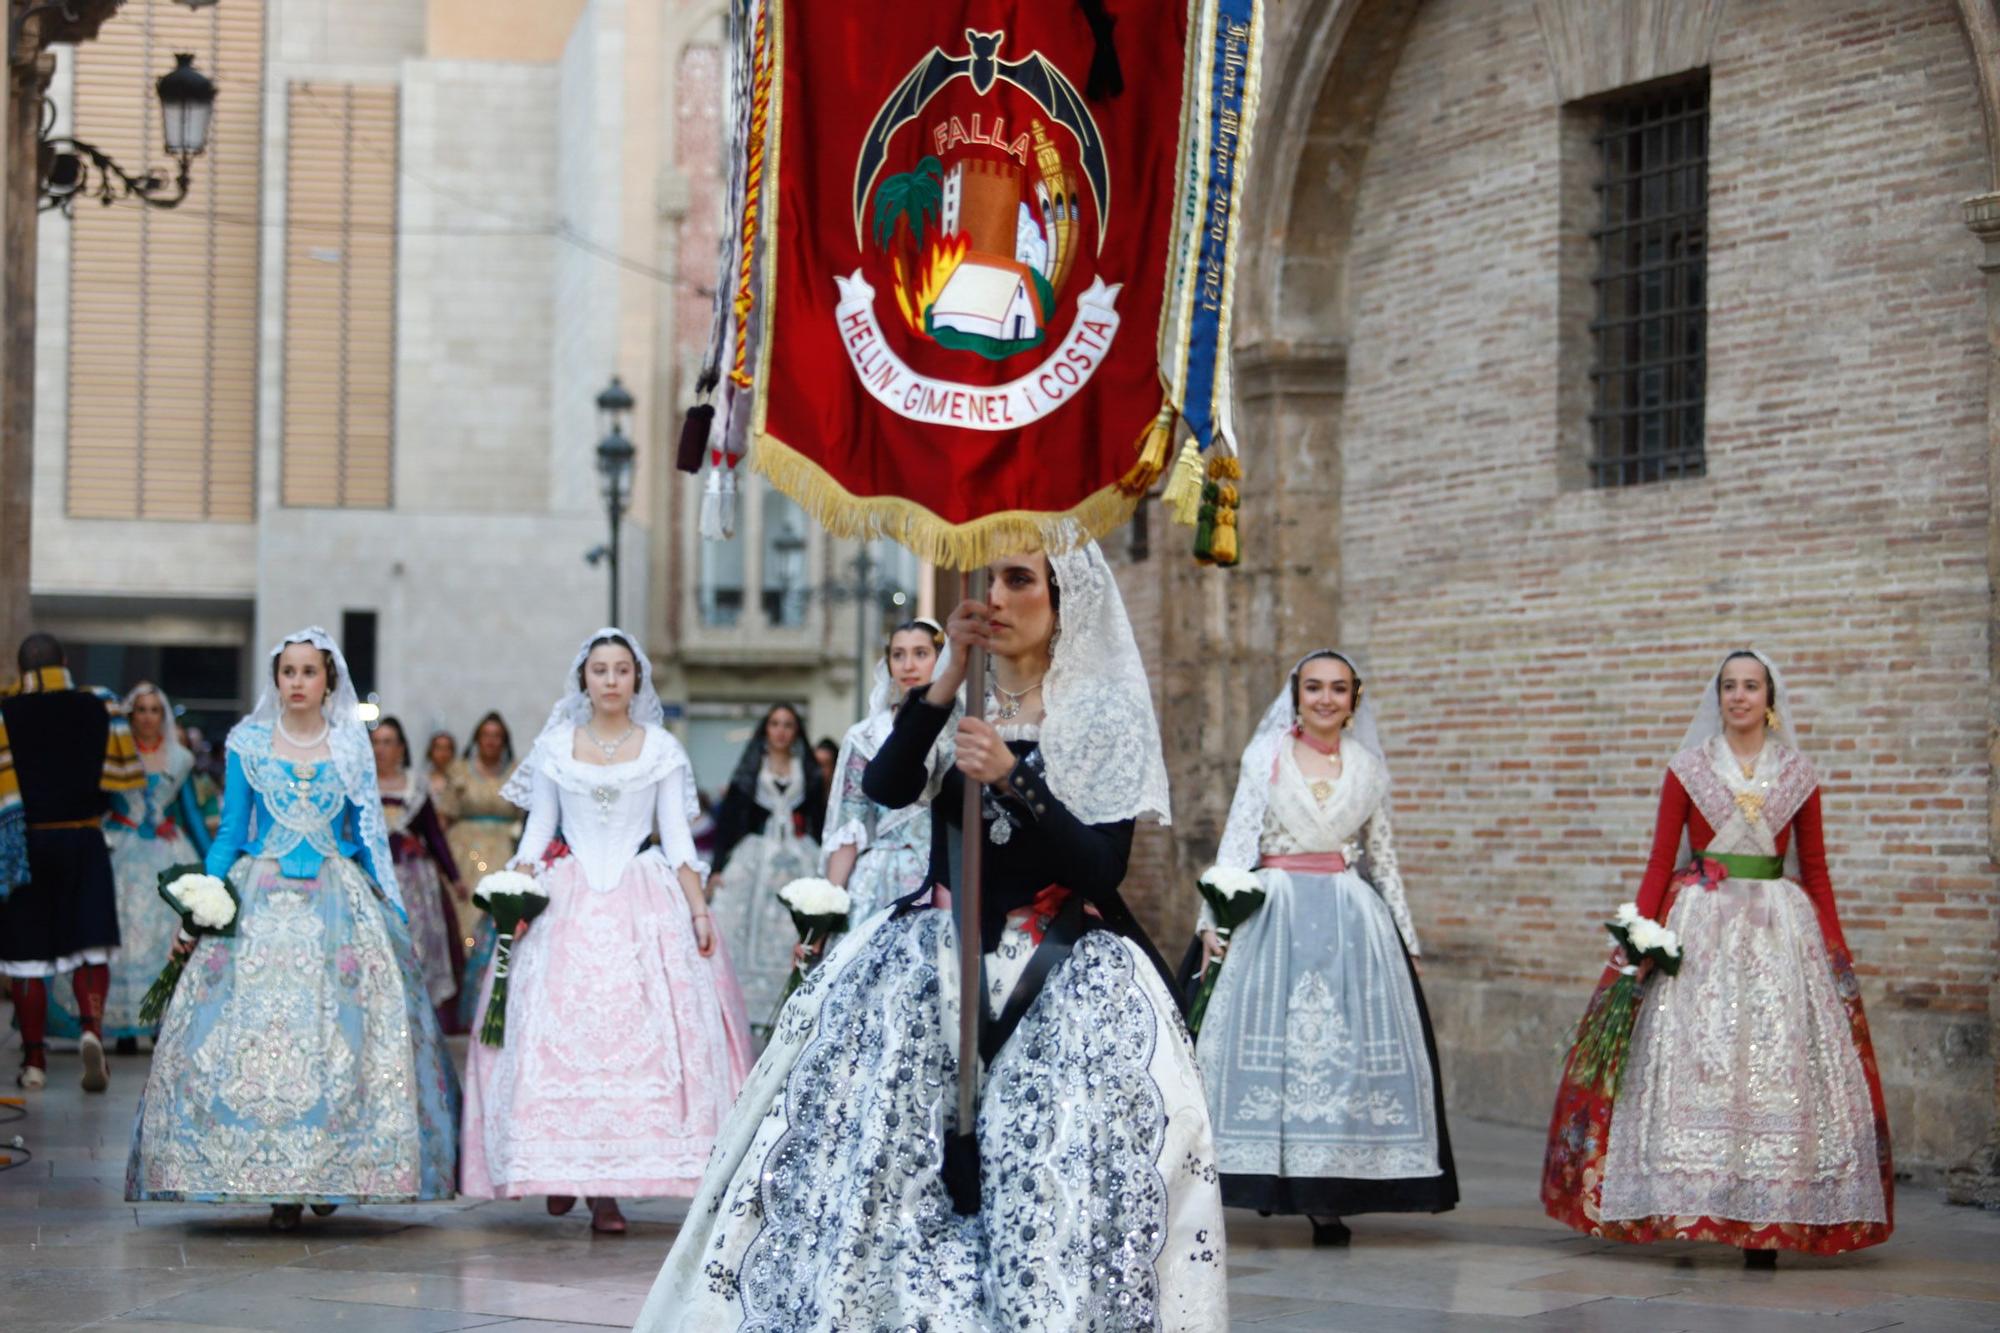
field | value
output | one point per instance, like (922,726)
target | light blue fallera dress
(300,1060)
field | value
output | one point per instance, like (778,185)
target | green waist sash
(486,819)
(1741,866)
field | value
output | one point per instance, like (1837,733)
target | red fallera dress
(1749,1110)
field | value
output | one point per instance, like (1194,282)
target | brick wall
(1536,650)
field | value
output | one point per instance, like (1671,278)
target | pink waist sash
(1311,863)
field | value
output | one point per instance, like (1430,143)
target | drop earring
(1770,719)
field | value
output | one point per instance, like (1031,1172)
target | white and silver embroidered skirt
(300,1060)
(823,1207)
(755,925)
(1313,1047)
(1743,1096)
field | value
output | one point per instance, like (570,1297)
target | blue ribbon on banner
(1229,75)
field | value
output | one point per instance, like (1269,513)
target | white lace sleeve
(849,813)
(544,805)
(1244,830)
(1380,844)
(670,811)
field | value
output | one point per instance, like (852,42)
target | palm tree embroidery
(908,203)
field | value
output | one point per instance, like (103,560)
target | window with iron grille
(1649,368)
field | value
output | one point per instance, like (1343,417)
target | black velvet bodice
(1045,844)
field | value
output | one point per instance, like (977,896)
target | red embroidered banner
(965,266)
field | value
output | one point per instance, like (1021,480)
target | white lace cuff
(851,834)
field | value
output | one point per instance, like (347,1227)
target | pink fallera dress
(625,1047)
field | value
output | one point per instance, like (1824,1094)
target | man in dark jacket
(63,750)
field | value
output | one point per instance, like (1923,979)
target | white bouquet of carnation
(814,898)
(206,905)
(512,899)
(819,911)
(1645,939)
(1606,1030)
(1233,895)
(205,900)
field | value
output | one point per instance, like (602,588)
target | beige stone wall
(498,29)
(1536,649)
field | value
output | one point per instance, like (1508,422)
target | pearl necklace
(300,742)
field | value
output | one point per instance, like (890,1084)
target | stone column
(26,82)
(1978,1181)
(1227,636)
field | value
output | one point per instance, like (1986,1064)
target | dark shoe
(285,1216)
(126,1046)
(560,1204)
(605,1219)
(1764,1261)
(95,1077)
(1332,1231)
(325,1209)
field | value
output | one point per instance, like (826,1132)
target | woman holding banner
(840,1193)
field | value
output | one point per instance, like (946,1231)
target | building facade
(1460,288)
(351,380)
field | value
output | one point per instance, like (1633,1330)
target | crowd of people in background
(449,825)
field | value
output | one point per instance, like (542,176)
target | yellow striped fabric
(123,770)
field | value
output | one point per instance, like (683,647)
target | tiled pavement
(74,1255)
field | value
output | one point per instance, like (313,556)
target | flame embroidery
(940,262)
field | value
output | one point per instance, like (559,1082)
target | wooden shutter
(340,295)
(163,303)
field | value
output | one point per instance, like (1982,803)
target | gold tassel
(930,538)
(1223,543)
(1183,493)
(1152,459)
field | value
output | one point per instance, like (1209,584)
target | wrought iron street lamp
(865,587)
(615,455)
(187,104)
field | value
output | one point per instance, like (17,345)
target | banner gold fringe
(929,537)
